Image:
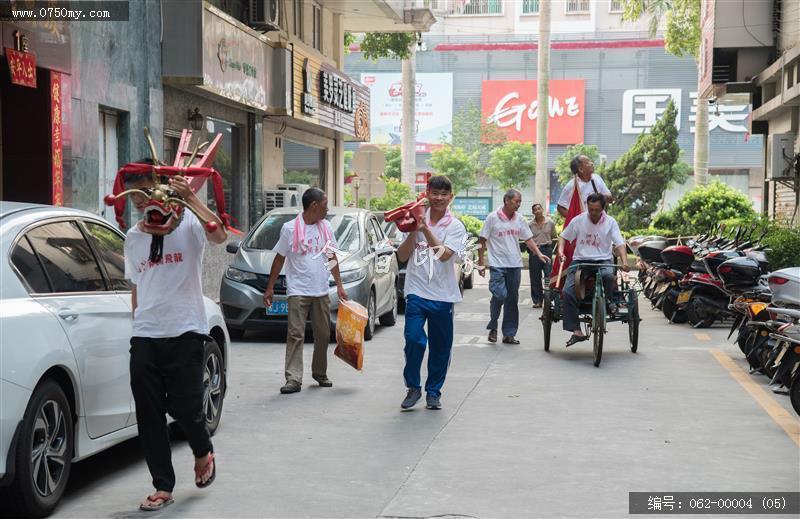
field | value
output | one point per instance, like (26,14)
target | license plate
(683,297)
(278,308)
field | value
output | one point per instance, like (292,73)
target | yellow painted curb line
(779,415)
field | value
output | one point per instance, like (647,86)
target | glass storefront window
(228,163)
(303,164)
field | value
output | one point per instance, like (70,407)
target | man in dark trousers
(164,260)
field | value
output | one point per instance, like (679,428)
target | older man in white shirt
(502,232)
(587,182)
(596,234)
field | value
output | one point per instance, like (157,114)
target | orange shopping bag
(351,320)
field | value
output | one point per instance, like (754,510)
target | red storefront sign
(512,107)
(57,143)
(23,67)
(422,178)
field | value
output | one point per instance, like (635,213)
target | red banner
(57,137)
(23,67)
(512,107)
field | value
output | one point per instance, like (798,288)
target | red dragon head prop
(406,216)
(161,205)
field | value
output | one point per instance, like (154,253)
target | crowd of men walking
(166,350)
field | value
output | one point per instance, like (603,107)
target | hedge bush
(472,224)
(666,233)
(704,206)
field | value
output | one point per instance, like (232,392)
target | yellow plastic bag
(351,320)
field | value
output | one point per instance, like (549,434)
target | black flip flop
(164,502)
(202,471)
(576,339)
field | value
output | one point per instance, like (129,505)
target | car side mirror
(233,247)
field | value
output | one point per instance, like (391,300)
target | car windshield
(345,230)
(391,231)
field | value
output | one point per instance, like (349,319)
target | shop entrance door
(25,131)
(109,162)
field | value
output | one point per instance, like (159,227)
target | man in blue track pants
(431,291)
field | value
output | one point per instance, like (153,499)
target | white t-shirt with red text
(169,294)
(503,236)
(594,241)
(307,269)
(429,277)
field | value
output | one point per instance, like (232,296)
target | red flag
(569,247)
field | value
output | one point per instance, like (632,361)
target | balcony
(384,15)
(468,7)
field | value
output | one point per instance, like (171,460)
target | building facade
(753,47)
(66,131)
(604,91)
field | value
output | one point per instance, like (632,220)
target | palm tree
(542,181)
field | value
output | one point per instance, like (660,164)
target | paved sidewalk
(523,433)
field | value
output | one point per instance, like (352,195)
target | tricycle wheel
(547,319)
(633,321)
(598,328)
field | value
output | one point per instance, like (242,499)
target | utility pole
(542,181)
(408,147)
(701,141)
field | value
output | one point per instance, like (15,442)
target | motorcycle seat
(698,266)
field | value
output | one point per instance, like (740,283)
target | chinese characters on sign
(723,117)
(433,120)
(57,138)
(641,108)
(336,91)
(22,66)
(512,106)
(478,207)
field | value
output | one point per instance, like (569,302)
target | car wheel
(43,452)
(390,317)
(236,334)
(369,331)
(213,385)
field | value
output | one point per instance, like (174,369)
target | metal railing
(530,6)
(467,7)
(576,6)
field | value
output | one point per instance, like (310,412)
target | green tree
(392,169)
(639,178)
(474,135)
(348,163)
(458,165)
(562,162)
(393,45)
(512,165)
(349,39)
(682,36)
(396,195)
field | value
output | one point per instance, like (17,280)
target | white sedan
(65,326)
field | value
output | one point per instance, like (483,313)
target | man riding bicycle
(596,235)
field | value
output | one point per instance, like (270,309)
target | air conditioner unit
(781,147)
(274,198)
(297,188)
(265,14)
